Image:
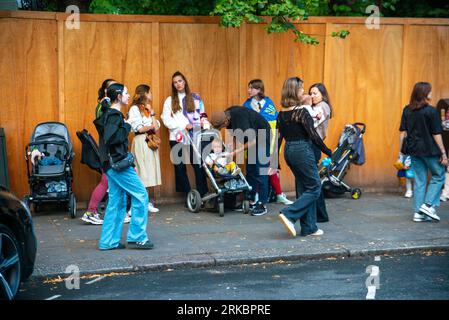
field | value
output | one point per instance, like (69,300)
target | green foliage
(281,14)
(154,7)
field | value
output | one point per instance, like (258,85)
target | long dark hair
(102,91)
(322,89)
(176,104)
(419,95)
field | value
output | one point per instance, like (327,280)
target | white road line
(95,280)
(371,295)
(54,297)
(375,271)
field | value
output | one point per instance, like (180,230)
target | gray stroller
(221,185)
(50,177)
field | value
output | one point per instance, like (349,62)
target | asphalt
(375,224)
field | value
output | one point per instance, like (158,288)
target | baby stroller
(222,184)
(350,149)
(50,177)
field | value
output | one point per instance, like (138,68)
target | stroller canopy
(52,132)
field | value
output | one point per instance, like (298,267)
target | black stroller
(350,149)
(223,185)
(50,177)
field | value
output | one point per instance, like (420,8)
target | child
(219,160)
(404,172)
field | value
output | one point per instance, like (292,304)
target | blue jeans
(257,175)
(121,183)
(300,157)
(421,166)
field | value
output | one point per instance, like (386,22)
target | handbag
(153,141)
(122,164)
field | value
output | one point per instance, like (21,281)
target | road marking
(95,280)
(54,297)
(371,295)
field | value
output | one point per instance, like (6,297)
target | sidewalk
(375,224)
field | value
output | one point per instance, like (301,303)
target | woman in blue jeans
(295,125)
(421,139)
(113,132)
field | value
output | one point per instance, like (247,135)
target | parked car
(17,244)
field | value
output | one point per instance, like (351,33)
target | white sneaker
(282,198)
(429,211)
(288,225)
(128,217)
(319,232)
(417,217)
(151,208)
(408,194)
(444,198)
(92,218)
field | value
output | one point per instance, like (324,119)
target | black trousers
(321,211)
(181,178)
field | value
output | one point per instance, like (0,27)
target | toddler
(219,161)
(405,172)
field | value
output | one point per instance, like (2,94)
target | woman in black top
(295,125)
(113,132)
(421,139)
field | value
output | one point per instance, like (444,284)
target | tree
(281,15)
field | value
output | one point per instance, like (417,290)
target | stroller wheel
(221,209)
(72,206)
(194,201)
(356,193)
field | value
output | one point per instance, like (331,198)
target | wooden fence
(51,73)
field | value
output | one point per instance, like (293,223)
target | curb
(210,261)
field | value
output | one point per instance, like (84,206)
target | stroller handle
(360,124)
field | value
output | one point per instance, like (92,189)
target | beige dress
(147,161)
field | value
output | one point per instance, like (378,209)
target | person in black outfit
(256,139)
(113,132)
(421,139)
(295,125)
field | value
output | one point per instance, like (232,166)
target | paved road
(415,276)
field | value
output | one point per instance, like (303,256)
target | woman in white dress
(143,122)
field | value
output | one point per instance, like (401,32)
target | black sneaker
(147,245)
(259,210)
(120,246)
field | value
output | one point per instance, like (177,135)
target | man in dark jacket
(253,131)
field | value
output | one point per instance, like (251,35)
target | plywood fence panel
(208,56)
(275,57)
(95,52)
(428,60)
(28,81)
(363,76)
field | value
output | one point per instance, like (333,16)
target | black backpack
(90,154)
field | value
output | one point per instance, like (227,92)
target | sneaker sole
(287,226)
(429,214)
(91,221)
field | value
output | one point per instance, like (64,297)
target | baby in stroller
(220,162)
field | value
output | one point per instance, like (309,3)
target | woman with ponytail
(143,122)
(113,132)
